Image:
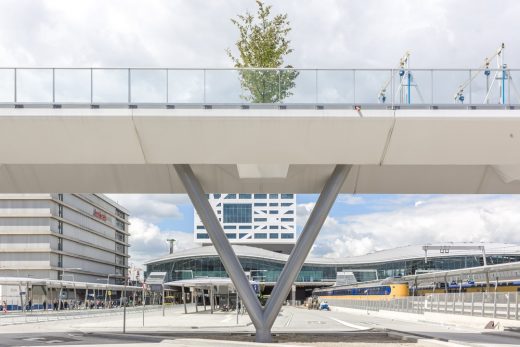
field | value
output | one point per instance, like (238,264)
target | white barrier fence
(490,304)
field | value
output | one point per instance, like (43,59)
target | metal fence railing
(22,317)
(490,304)
(142,87)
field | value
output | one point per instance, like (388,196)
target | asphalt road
(293,325)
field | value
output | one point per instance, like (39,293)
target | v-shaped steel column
(263,318)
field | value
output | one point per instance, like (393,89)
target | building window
(120,260)
(60,244)
(241,235)
(287,196)
(261,236)
(244,196)
(273,227)
(60,260)
(231,236)
(286,204)
(60,197)
(120,248)
(260,204)
(237,213)
(287,219)
(120,225)
(273,196)
(60,211)
(273,204)
(289,212)
(120,236)
(273,212)
(244,227)
(231,196)
(202,236)
(230,227)
(120,214)
(260,196)
(287,236)
(60,227)
(217,196)
(273,236)
(200,227)
(260,219)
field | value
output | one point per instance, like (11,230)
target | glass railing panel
(514,88)
(489,87)
(110,86)
(412,87)
(298,86)
(446,84)
(148,86)
(224,86)
(336,86)
(34,85)
(370,83)
(72,85)
(6,85)
(186,86)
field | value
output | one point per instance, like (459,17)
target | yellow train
(364,292)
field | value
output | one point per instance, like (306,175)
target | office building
(80,237)
(267,221)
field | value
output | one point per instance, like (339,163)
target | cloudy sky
(326,34)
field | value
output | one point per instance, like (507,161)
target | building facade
(80,237)
(266,266)
(267,221)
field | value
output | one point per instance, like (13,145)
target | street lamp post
(61,283)
(106,288)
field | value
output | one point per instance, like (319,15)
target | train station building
(265,266)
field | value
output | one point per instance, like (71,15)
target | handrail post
(91,86)
(470,88)
(53,85)
(354,84)
(167,85)
(15,85)
(129,86)
(316,86)
(204,86)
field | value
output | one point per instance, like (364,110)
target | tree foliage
(263,43)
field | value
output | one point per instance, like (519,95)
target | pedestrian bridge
(253,131)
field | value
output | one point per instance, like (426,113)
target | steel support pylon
(263,318)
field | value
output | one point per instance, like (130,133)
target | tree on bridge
(263,43)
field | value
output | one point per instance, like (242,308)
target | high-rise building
(80,237)
(262,220)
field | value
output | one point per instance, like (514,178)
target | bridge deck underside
(363,179)
(134,150)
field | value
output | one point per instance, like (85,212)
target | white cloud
(148,241)
(439,219)
(350,199)
(195,33)
(152,207)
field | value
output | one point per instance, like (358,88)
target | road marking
(350,325)
(289,320)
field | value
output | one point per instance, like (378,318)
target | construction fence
(487,304)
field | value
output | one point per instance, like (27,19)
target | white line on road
(350,325)
(289,320)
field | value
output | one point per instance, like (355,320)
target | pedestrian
(4,306)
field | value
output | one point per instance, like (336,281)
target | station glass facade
(265,270)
